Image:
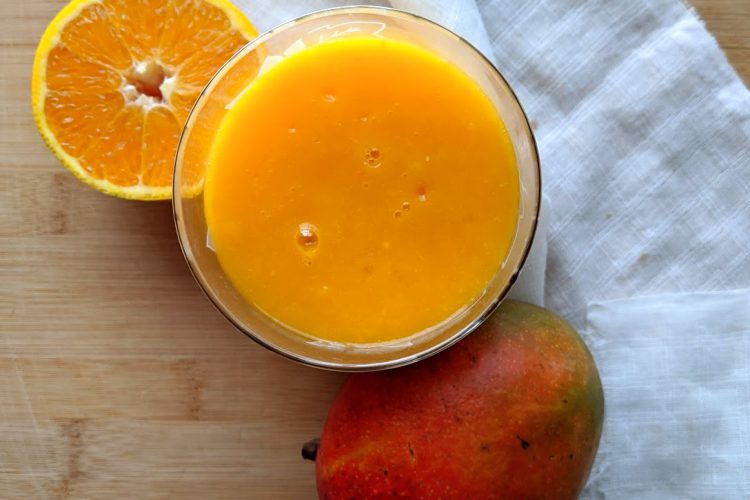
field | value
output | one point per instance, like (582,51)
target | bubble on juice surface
(329,98)
(405,206)
(307,236)
(373,158)
(397,214)
(422,193)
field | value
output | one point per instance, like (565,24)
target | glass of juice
(357,189)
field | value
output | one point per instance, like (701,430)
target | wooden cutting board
(118,379)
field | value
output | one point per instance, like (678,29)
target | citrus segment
(160,138)
(140,22)
(196,66)
(75,118)
(67,70)
(91,35)
(182,102)
(116,154)
(208,24)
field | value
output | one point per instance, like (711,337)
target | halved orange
(114,81)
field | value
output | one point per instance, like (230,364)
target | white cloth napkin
(644,136)
(677,386)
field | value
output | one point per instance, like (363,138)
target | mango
(514,410)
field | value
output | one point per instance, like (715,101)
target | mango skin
(514,410)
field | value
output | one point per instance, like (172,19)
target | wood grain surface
(117,377)
(729,22)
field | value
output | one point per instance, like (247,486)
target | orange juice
(361,190)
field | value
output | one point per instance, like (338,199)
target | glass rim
(475,322)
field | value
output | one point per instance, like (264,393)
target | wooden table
(117,377)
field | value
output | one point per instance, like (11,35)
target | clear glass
(235,75)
